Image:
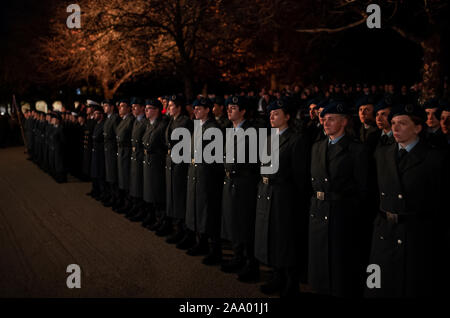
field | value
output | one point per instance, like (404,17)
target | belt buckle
(320,195)
(265,180)
(145,151)
(192,161)
(227,173)
(134,149)
(392,217)
(169,151)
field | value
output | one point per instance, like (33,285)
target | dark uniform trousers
(339,176)
(409,242)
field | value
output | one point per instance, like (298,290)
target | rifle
(20,121)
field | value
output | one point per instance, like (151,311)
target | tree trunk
(107,91)
(188,86)
(273,77)
(432,68)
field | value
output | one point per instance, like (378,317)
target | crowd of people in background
(362,179)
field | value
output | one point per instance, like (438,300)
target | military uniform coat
(281,208)
(110,144)
(239,197)
(123,138)
(410,252)
(87,145)
(57,145)
(155,150)
(337,223)
(204,190)
(176,173)
(137,158)
(98,152)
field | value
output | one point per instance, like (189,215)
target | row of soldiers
(344,196)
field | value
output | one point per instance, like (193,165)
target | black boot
(215,255)
(140,216)
(150,219)
(177,236)
(165,228)
(275,284)
(250,272)
(234,265)
(187,241)
(155,226)
(201,248)
(291,288)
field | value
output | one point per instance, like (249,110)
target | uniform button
(268,198)
(312,215)
(400,196)
(382,193)
(193,178)
(312,179)
(326,180)
(381,237)
(399,242)
(224,182)
(325,217)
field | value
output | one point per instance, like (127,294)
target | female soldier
(408,241)
(281,207)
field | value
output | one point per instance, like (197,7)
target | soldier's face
(366,114)
(334,124)
(201,112)
(217,110)
(382,119)
(88,110)
(81,120)
(173,109)
(151,112)
(404,129)
(321,120)
(432,121)
(234,114)
(312,111)
(123,109)
(107,108)
(445,122)
(97,115)
(278,119)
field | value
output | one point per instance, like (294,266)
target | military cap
(383,103)
(177,99)
(91,102)
(311,101)
(431,103)
(108,101)
(323,103)
(154,102)
(336,107)
(285,103)
(364,100)
(136,100)
(123,100)
(240,101)
(205,102)
(444,105)
(56,115)
(98,108)
(74,114)
(409,110)
(219,100)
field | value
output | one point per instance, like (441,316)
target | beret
(431,103)
(154,102)
(409,110)
(336,107)
(383,103)
(107,101)
(136,100)
(364,100)
(205,102)
(240,101)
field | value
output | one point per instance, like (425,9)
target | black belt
(393,217)
(328,196)
(239,173)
